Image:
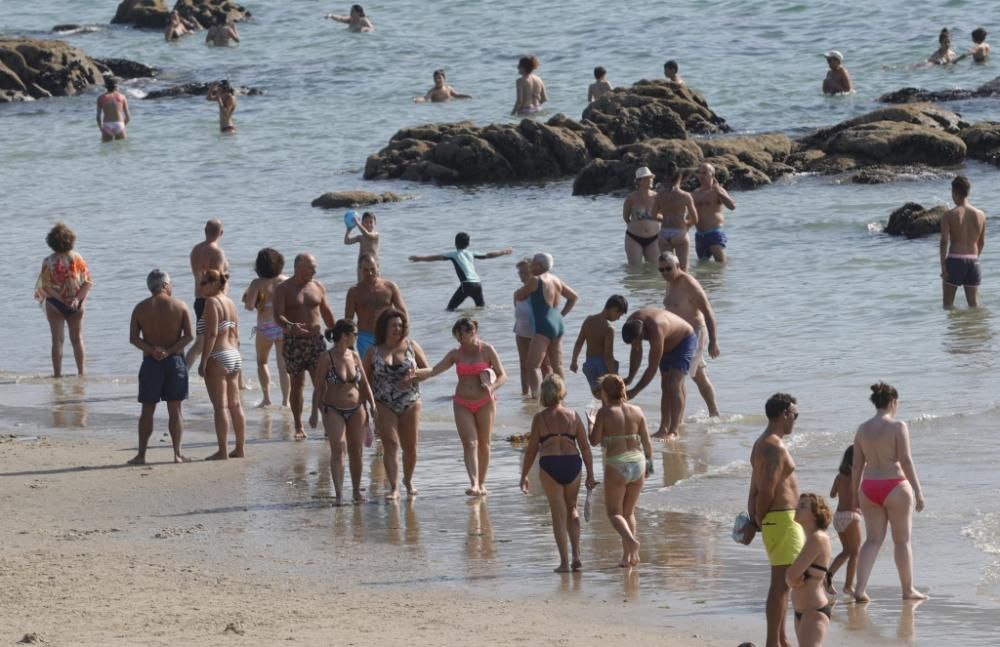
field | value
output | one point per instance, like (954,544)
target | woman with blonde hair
(62,286)
(557,434)
(807,574)
(620,428)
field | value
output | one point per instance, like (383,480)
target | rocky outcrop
(982,140)
(915,95)
(198,89)
(341,199)
(126,69)
(913,221)
(651,110)
(34,69)
(154,14)
(887,174)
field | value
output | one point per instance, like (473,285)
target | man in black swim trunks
(206,255)
(161,328)
(464,260)
(963,235)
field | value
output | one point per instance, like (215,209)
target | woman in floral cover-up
(62,287)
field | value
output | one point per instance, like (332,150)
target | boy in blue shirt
(464,261)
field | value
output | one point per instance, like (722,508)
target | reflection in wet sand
(479,542)
(69,403)
(968,331)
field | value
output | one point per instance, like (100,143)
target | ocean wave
(737,467)
(984,532)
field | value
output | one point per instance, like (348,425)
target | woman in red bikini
(886,482)
(480,374)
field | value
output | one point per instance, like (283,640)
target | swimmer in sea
(530,88)
(675,209)
(112,112)
(838,80)
(963,236)
(222,94)
(944,55)
(441,91)
(600,86)
(221,32)
(670,70)
(709,198)
(980,52)
(464,260)
(357,22)
(177,27)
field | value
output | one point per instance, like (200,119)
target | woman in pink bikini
(480,374)
(886,483)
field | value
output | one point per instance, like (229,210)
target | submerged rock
(126,69)
(913,221)
(198,89)
(982,140)
(204,12)
(340,199)
(914,95)
(34,69)
(145,14)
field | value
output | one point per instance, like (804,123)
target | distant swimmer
(598,333)
(685,298)
(161,328)
(672,345)
(464,260)
(530,88)
(223,95)
(206,255)
(671,71)
(112,112)
(177,26)
(301,308)
(600,86)
(980,51)
(368,299)
(222,32)
(357,22)
(441,91)
(642,223)
(367,238)
(944,55)
(675,209)
(709,198)
(62,286)
(838,80)
(963,236)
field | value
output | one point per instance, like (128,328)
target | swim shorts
(365,341)
(680,357)
(302,353)
(163,379)
(783,537)
(64,309)
(962,270)
(704,240)
(595,368)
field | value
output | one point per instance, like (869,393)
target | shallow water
(813,300)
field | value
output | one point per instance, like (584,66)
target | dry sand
(96,553)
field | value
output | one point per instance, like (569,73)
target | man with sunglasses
(686,299)
(672,343)
(774,493)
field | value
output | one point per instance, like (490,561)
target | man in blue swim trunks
(672,345)
(709,198)
(599,335)
(368,299)
(963,235)
(464,260)
(161,328)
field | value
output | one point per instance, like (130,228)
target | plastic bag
(586,505)
(369,431)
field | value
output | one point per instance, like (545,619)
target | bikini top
(471,369)
(605,439)
(542,439)
(224,324)
(805,575)
(641,214)
(333,378)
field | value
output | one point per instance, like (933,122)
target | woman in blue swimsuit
(542,292)
(557,434)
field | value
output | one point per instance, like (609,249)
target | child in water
(847,523)
(441,91)
(600,86)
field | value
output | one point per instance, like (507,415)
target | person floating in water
(980,52)
(600,86)
(178,26)
(944,55)
(221,32)
(838,80)
(223,94)
(357,22)
(112,112)
(465,267)
(441,91)
(963,236)
(530,88)
(671,71)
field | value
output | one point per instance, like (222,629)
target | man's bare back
(599,335)
(965,228)
(163,322)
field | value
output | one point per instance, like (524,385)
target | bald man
(206,255)
(709,198)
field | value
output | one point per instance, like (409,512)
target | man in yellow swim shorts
(774,493)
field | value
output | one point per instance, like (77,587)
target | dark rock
(891,142)
(604,176)
(982,140)
(341,199)
(73,28)
(145,14)
(204,12)
(125,69)
(198,89)
(918,114)
(35,69)
(884,174)
(913,221)
(913,95)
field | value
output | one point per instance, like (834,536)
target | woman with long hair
(268,333)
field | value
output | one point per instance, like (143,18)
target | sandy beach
(96,553)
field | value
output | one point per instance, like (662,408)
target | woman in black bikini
(642,223)
(807,574)
(342,390)
(558,434)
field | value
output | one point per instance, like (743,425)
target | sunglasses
(795,416)
(666,268)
